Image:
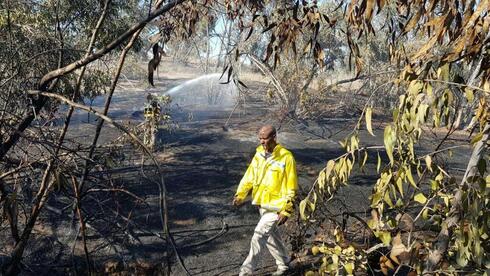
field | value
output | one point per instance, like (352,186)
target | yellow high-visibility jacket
(273,180)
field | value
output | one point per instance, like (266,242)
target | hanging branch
(267,71)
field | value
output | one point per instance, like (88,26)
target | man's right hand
(237,202)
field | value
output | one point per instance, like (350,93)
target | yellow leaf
(422,112)
(387,199)
(443,72)
(368,121)
(384,236)
(349,268)
(369,9)
(399,185)
(321,180)
(426,47)
(415,87)
(470,95)
(420,198)
(413,20)
(410,177)
(312,205)
(315,250)
(486,85)
(429,92)
(364,159)
(397,246)
(378,166)
(330,165)
(354,143)
(476,138)
(428,161)
(446,200)
(372,223)
(389,141)
(482,5)
(302,207)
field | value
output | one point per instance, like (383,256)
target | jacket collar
(276,149)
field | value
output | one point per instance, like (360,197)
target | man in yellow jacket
(271,179)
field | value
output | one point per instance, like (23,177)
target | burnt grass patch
(205,156)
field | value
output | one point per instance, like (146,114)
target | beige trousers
(266,235)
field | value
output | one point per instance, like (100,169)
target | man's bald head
(267,137)
(267,131)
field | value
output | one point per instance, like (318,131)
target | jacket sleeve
(246,183)
(291,186)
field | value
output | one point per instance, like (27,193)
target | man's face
(267,139)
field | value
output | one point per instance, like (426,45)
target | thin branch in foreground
(109,120)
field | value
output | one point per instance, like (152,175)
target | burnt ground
(203,157)
(208,162)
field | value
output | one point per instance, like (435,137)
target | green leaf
(396,112)
(482,166)
(399,203)
(420,198)
(387,199)
(368,121)
(378,166)
(476,138)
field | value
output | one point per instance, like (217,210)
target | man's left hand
(281,219)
